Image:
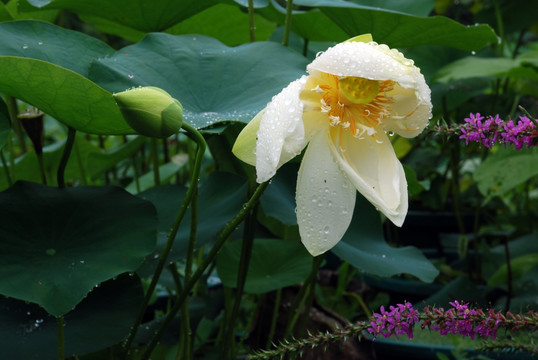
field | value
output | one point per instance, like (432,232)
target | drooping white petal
(281,133)
(368,60)
(373,169)
(245,145)
(325,198)
(409,114)
(411,110)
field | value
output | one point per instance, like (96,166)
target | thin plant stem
(11,103)
(302,295)
(155,155)
(244,261)
(500,25)
(136,169)
(274,318)
(252,26)
(81,165)
(287,23)
(184,351)
(221,240)
(60,324)
(65,156)
(6,168)
(42,168)
(11,156)
(508,274)
(191,191)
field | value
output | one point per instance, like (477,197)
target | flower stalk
(403,319)
(492,130)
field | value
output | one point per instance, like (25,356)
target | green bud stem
(191,191)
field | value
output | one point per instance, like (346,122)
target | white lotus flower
(354,94)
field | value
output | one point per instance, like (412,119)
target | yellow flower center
(358,90)
(354,103)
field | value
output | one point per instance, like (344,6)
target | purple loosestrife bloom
(491,130)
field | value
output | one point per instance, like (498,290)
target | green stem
(302,296)
(274,319)
(184,351)
(65,156)
(60,324)
(81,165)
(42,168)
(191,191)
(155,155)
(252,26)
(223,236)
(500,25)
(287,23)
(6,168)
(244,261)
(11,103)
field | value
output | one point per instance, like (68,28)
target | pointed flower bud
(150,111)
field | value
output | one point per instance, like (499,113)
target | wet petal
(325,198)
(409,114)
(372,167)
(245,145)
(281,133)
(367,60)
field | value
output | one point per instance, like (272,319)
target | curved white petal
(409,114)
(372,167)
(411,110)
(281,134)
(325,198)
(370,61)
(245,145)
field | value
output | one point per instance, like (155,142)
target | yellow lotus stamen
(359,90)
(353,103)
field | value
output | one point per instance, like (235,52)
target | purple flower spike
(491,130)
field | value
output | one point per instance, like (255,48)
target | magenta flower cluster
(458,320)
(398,321)
(491,130)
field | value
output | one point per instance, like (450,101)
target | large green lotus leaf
(398,29)
(220,197)
(415,7)
(65,95)
(226,23)
(472,66)
(14,8)
(57,244)
(102,319)
(166,173)
(213,81)
(94,161)
(364,247)
(274,264)
(143,15)
(495,176)
(39,40)
(5,123)
(277,211)
(4,13)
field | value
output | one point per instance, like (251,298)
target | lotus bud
(150,111)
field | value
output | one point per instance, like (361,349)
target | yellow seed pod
(150,111)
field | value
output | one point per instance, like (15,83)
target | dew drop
(383,256)
(40,43)
(391,133)
(130,76)
(473,52)
(25,46)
